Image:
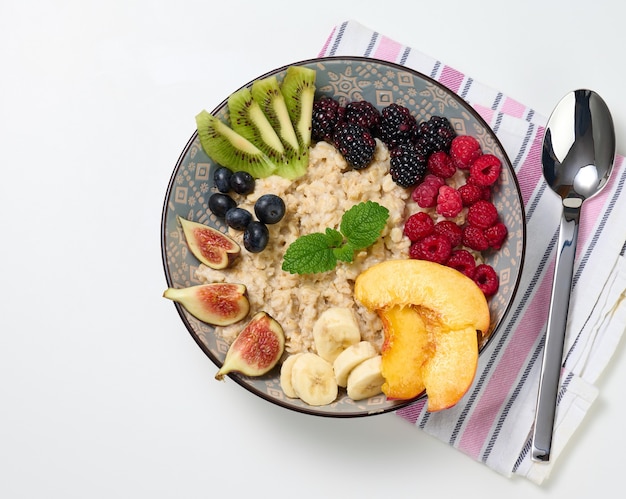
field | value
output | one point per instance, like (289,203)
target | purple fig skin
(257,348)
(212,247)
(219,304)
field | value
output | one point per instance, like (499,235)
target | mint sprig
(360,227)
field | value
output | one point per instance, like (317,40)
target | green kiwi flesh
(267,93)
(228,148)
(270,126)
(248,120)
(294,164)
(298,89)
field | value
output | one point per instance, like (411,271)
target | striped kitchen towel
(493,422)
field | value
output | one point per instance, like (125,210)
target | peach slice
(404,351)
(431,315)
(450,371)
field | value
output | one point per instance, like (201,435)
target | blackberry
(408,164)
(363,113)
(397,125)
(436,134)
(327,112)
(355,143)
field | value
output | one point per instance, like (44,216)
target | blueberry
(238,218)
(220,203)
(242,182)
(269,208)
(221,179)
(256,237)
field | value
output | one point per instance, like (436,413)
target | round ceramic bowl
(346,79)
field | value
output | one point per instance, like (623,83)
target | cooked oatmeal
(314,202)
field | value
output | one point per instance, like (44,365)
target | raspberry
(496,234)
(474,238)
(362,113)
(327,113)
(355,144)
(463,261)
(485,170)
(397,125)
(464,150)
(436,134)
(470,193)
(482,214)
(434,180)
(440,164)
(486,279)
(408,165)
(451,230)
(425,194)
(449,202)
(418,226)
(434,248)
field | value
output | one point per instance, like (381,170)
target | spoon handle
(555,335)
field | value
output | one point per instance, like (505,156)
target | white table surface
(103,393)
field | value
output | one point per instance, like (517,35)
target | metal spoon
(578,155)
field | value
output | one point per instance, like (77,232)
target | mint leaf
(363,223)
(360,227)
(334,237)
(344,253)
(309,254)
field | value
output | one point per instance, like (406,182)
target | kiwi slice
(270,126)
(295,160)
(298,89)
(294,164)
(248,120)
(228,148)
(266,92)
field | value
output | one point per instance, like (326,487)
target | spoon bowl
(578,156)
(579,146)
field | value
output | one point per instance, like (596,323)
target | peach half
(432,316)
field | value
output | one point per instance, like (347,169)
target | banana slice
(350,358)
(366,379)
(285,375)
(313,379)
(334,331)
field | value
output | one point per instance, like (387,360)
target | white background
(103,393)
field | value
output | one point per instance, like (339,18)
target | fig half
(257,348)
(212,247)
(219,304)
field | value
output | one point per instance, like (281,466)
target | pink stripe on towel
(387,49)
(451,78)
(514,108)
